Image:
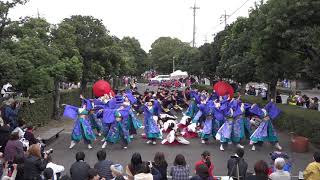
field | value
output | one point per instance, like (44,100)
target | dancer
(265,131)
(82,128)
(118,130)
(174,134)
(210,125)
(151,129)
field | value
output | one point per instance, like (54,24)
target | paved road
(62,155)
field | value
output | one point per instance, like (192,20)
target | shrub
(40,112)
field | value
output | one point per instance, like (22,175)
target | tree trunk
(56,101)
(83,85)
(272,90)
(243,88)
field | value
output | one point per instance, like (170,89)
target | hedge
(40,112)
(303,122)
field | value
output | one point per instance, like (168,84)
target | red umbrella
(101,88)
(223,88)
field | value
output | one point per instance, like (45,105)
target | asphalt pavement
(65,156)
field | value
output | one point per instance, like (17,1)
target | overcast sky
(145,20)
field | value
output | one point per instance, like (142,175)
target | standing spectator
(180,170)
(117,171)
(57,169)
(79,169)
(11,113)
(205,160)
(314,103)
(260,171)
(103,165)
(280,174)
(134,165)
(4,134)
(237,166)
(13,148)
(312,172)
(19,129)
(160,164)
(202,173)
(34,164)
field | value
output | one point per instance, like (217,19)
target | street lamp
(173,63)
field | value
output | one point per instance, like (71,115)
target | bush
(303,122)
(40,112)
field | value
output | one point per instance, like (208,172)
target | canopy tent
(178,74)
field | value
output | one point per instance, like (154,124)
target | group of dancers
(208,116)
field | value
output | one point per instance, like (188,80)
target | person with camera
(9,172)
(205,160)
(34,163)
(57,169)
(237,166)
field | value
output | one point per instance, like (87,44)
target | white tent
(178,74)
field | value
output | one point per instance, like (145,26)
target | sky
(146,20)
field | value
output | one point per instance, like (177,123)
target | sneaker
(131,136)
(229,142)
(240,146)
(104,145)
(125,147)
(89,146)
(221,148)
(154,142)
(72,144)
(99,134)
(253,148)
(149,142)
(203,141)
(104,139)
(278,146)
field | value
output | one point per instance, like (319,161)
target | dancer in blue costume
(265,130)
(151,113)
(82,128)
(225,134)
(92,116)
(133,122)
(210,125)
(241,126)
(118,130)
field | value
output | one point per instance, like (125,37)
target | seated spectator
(260,171)
(312,172)
(237,162)
(57,169)
(314,103)
(9,172)
(19,160)
(116,171)
(280,174)
(205,160)
(103,165)
(20,129)
(144,172)
(34,164)
(93,174)
(277,154)
(160,164)
(180,170)
(134,165)
(28,135)
(202,173)
(48,174)
(13,148)
(79,169)
(65,177)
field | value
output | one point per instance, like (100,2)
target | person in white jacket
(56,168)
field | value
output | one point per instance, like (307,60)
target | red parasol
(223,88)
(101,88)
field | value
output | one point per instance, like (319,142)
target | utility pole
(38,13)
(224,18)
(173,68)
(194,23)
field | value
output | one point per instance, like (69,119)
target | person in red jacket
(205,160)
